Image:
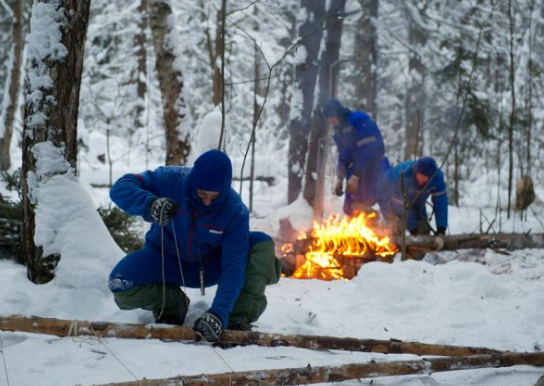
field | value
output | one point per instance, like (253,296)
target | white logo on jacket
(216,232)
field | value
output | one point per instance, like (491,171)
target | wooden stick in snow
(311,375)
(65,328)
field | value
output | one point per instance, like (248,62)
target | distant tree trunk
(50,115)
(286,79)
(318,144)
(366,58)
(171,85)
(311,33)
(140,41)
(215,52)
(15,76)
(512,82)
(415,95)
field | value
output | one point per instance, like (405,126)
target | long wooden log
(451,243)
(477,241)
(311,375)
(65,328)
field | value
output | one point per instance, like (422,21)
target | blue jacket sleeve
(440,201)
(235,247)
(384,191)
(134,193)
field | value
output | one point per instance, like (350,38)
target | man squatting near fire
(414,182)
(199,237)
(361,156)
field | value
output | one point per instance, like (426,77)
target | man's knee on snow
(262,260)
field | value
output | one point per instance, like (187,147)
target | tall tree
(366,56)
(55,61)
(10,105)
(171,84)
(415,94)
(310,35)
(319,139)
(140,42)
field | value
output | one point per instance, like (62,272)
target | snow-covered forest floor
(475,298)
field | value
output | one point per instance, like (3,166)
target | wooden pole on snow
(311,375)
(65,328)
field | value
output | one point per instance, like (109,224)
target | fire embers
(336,248)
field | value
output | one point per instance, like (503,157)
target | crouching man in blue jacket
(199,237)
(410,184)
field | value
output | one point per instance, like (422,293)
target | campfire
(337,247)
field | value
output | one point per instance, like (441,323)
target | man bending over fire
(361,156)
(199,237)
(414,182)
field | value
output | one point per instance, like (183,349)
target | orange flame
(347,237)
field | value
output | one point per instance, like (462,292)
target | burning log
(65,328)
(312,375)
(348,264)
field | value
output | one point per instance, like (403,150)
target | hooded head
(426,166)
(333,108)
(212,172)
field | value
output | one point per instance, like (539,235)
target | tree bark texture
(171,85)
(318,146)
(59,123)
(140,42)
(415,93)
(64,328)
(310,34)
(312,375)
(17,7)
(366,58)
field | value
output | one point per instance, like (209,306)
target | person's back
(361,156)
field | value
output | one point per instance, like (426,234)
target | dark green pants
(262,268)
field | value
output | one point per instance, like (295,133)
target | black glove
(162,210)
(208,327)
(413,232)
(339,187)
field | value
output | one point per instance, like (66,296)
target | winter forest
(93,90)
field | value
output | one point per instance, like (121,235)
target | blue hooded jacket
(217,231)
(390,190)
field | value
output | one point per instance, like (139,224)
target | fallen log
(311,375)
(64,328)
(477,241)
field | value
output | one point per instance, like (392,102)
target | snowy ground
(477,298)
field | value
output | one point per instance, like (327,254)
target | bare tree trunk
(14,82)
(51,119)
(512,80)
(366,58)
(140,41)
(415,95)
(318,143)
(171,85)
(310,33)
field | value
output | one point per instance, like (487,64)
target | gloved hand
(162,210)
(438,243)
(339,187)
(352,185)
(208,327)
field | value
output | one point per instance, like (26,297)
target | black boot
(176,313)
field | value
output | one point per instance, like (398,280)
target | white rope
(103,342)
(187,299)
(4,358)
